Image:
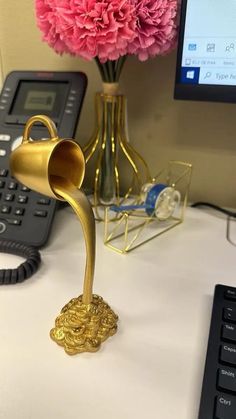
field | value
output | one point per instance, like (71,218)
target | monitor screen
(206,63)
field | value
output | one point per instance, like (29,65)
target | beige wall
(160,128)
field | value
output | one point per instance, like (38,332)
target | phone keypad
(19,209)
(9,197)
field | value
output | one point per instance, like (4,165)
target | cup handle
(49,124)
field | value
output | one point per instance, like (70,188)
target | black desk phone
(26,216)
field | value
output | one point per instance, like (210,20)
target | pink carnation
(49,22)
(87,28)
(156,31)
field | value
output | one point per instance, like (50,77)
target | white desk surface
(153,367)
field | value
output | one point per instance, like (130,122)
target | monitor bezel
(206,92)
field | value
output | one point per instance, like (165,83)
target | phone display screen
(39,97)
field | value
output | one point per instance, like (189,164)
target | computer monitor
(206,60)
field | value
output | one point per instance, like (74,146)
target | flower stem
(119,65)
(102,70)
(111,70)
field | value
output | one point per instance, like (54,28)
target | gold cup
(56,168)
(36,163)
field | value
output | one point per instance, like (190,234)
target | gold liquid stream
(81,206)
(86,321)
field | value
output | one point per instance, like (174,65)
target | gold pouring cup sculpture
(56,168)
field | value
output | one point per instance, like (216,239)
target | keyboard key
(12,185)
(24,188)
(3,152)
(40,213)
(3,172)
(5,137)
(9,197)
(230,314)
(225,407)
(2,183)
(228,332)
(12,221)
(227,379)
(5,209)
(19,211)
(22,199)
(11,119)
(43,201)
(230,295)
(228,354)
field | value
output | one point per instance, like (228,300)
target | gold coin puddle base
(83,327)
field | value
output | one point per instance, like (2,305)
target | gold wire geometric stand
(134,228)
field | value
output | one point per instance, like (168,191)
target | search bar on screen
(223,77)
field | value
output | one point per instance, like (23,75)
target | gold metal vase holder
(56,168)
(109,156)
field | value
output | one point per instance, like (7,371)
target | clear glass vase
(118,171)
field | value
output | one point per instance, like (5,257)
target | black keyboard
(218,399)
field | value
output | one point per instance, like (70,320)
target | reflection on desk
(153,366)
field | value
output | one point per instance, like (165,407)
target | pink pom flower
(87,28)
(156,31)
(109,29)
(49,22)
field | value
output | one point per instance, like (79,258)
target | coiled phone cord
(26,269)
